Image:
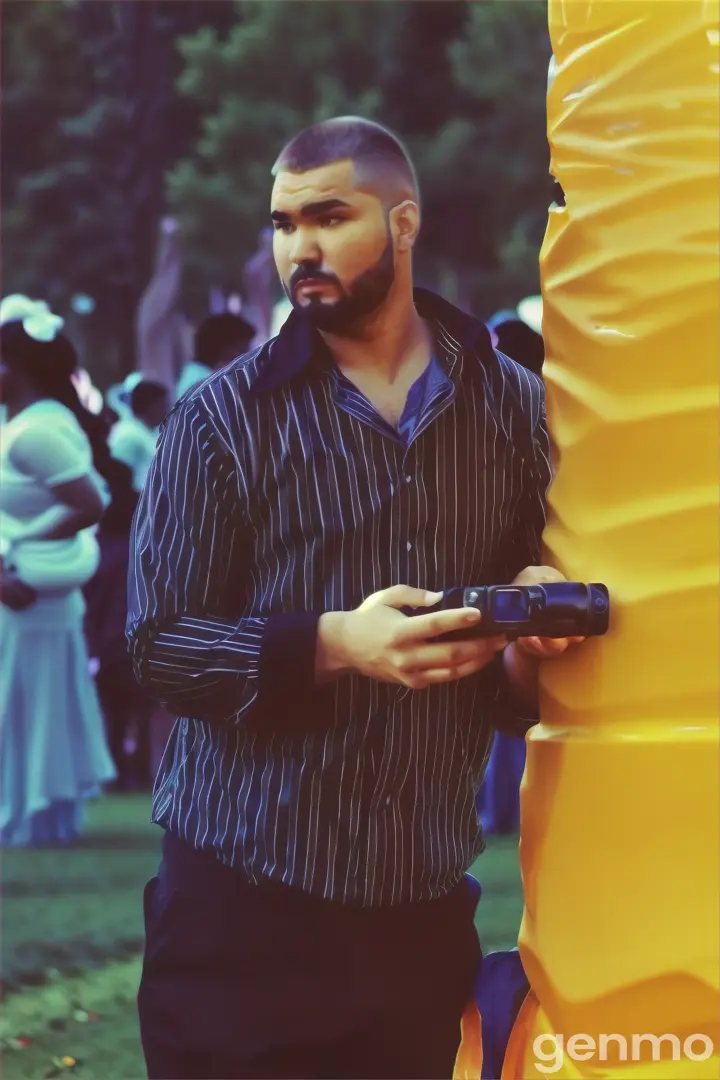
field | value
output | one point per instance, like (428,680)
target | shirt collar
(299,344)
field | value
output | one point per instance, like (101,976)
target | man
(134,438)
(218,340)
(310,917)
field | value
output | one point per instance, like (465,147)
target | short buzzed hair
(368,145)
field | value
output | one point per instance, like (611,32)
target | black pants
(246,982)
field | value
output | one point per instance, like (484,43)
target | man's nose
(305,249)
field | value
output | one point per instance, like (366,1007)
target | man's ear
(405,224)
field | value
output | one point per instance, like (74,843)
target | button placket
(408,466)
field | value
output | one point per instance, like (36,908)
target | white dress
(53,750)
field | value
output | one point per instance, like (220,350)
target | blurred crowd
(73,462)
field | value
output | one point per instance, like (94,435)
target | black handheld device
(557,609)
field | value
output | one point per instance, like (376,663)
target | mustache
(309,273)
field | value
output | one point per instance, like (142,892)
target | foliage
(502,63)
(284,65)
(102,101)
(90,123)
(45,81)
(464,85)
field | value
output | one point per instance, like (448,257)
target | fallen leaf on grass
(19,1042)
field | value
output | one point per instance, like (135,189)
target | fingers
(452,655)
(400,596)
(16,603)
(420,680)
(424,627)
(538,575)
(544,648)
(17,595)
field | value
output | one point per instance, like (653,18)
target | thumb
(400,596)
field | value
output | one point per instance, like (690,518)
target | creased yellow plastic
(619,833)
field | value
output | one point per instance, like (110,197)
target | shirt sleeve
(187,584)
(538,475)
(52,453)
(510,716)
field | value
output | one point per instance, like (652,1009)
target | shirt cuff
(288,696)
(510,715)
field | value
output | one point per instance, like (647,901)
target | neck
(387,342)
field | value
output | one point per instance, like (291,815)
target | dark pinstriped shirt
(277,493)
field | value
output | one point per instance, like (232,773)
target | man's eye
(328,219)
(284,227)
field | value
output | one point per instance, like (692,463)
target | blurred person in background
(310,916)
(218,341)
(117,396)
(134,437)
(89,395)
(519,340)
(259,282)
(517,333)
(127,710)
(163,333)
(56,477)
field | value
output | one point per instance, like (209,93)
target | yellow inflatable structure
(619,804)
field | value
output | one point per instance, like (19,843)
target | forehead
(291,191)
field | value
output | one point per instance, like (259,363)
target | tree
(255,99)
(463,84)
(498,149)
(45,80)
(91,122)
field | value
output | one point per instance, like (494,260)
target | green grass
(72,935)
(72,910)
(106,1047)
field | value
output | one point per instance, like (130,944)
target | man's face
(332,245)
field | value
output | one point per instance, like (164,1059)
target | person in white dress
(53,749)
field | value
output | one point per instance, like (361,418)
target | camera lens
(598,610)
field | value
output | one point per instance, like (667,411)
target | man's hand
(522,657)
(542,648)
(14,593)
(377,640)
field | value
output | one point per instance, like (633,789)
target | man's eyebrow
(313,209)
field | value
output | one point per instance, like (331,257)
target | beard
(364,295)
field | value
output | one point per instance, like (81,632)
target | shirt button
(408,479)
(388,800)
(409,546)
